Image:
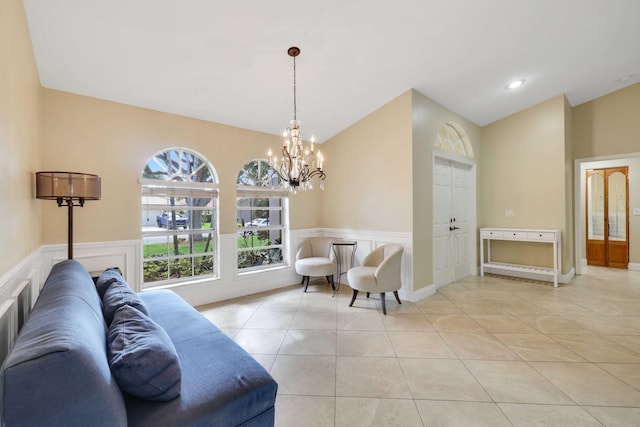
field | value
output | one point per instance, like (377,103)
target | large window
(262,217)
(179,218)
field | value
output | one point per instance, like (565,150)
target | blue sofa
(59,373)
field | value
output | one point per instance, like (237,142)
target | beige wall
(115,141)
(20,114)
(427,118)
(524,164)
(608,125)
(368,165)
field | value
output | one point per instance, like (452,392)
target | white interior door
(453,212)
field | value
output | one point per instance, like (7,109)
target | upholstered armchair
(380,272)
(314,259)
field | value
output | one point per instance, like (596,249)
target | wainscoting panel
(97,257)
(368,241)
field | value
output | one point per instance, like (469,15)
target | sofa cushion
(222,385)
(118,294)
(142,357)
(57,372)
(105,280)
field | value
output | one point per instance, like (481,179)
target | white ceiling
(225,61)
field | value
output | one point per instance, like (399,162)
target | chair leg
(330,280)
(305,280)
(367,294)
(384,306)
(302,283)
(395,293)
(353,298)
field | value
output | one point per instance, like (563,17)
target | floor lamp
(68,189)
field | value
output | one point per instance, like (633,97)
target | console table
(548,236)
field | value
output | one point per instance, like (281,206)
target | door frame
(470,164)
(580,194)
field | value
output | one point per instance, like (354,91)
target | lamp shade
(67,185)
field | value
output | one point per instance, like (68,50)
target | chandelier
(299,162)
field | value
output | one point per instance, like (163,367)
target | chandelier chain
(294,90)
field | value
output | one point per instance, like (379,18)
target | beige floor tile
(315,320)
(598,349)
(441,379)
(325,304)
(407,322)
(548,415)
(615,417)
(309,342)
(523,307)
(454,323)
(478,346)
(305,375)
(502,324)
(360,321)
(308,411)
(370,412)
(430,305)
(260,341)
(270,320)
(280,304)
(361,305)
(588,384)
(553,324)
(370,377)
(604,325)
(420,344)
(364,343)
(341,365)
(539,348)
(265,360)
(229,319)
(482,307)
(561,307)
(626,372)
(437,413)
(515,382)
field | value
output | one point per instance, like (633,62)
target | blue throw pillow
(105,280)
(118,294)
(142,357)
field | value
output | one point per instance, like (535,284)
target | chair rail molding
(369,240)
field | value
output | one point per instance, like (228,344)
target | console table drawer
(490,234)
(515,234)
(550,236)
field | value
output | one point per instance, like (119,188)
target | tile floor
(484,351)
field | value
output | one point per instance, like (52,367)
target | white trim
(97,257)
(580,165)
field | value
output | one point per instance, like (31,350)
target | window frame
(268,188)
(156,196)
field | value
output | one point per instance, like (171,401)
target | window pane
(179,217)
(259,238)
(262,257)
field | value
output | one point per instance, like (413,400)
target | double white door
(453,213)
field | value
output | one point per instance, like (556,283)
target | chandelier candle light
(299,162)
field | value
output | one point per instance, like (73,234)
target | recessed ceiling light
(625,78)
(515,84)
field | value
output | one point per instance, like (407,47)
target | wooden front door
(608,217)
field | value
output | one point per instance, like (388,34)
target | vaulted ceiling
(226,61)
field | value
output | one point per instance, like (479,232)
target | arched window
(262,217)
(179,218)
(452,137)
